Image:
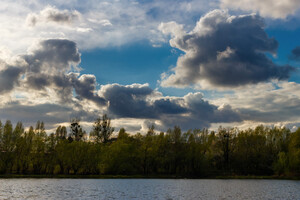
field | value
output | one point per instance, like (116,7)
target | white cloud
(268,103)
(266,8)
(92,24)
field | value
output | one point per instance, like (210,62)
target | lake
(148,189)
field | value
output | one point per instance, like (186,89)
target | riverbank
(8,176)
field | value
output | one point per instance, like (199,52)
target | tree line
(194,153)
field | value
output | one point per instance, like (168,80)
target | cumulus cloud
(85,87)
(295,53)
(49,88)
(209,112)
(54,15)
(52,55)
(266,8)
(50,65)
(223,51)
(140,101)
(271,103)
(128,101)
(45,84)
(9,78)
(265,103)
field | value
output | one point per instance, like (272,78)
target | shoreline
(16,176)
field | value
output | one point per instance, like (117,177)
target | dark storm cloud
(223,50)
(189,111)
(52,14)
(38,81)
(85,87)
(46,60)
(202,109)
(48,64)
(295,53)
(9,77)
(166,106)
(53,55)
(129,101)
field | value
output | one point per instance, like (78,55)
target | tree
(7,137)
(122,134)
(102,129)
(76,130)
(294,153)
(151,131)
(61,132)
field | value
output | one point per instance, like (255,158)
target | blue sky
(119,66)
(192,63)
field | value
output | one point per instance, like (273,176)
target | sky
(191,63)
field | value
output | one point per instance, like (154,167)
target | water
(148,189)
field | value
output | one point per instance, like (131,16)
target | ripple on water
(171,189)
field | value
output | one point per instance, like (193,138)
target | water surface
(148,189)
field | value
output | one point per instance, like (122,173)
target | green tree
(102,129)
(294,153)
(7,138)
(61,132)
(76,130)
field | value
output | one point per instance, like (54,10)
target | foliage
(195,153)
(102,129)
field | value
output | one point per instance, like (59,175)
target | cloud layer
(46,84)
(140,101)
(266,8)
(92,24)
(223,51)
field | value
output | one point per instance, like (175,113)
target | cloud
(223,51)
(275,102)
(94,24)
(46,84)
(49,113)
(50,65)
(140,101)
(85,87)
(267,8)
(295,53)
(168,106)
(54,15)
(9,78)
(52,55)
(128,101)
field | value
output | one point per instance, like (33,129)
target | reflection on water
(147,189)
